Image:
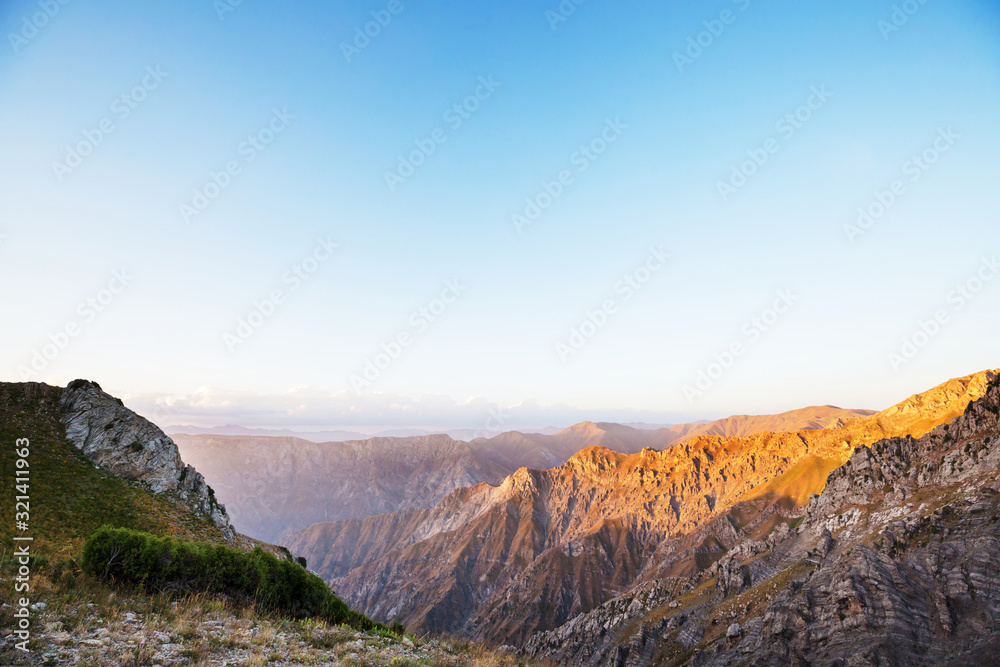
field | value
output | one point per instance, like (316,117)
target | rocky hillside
(503,562)
(130,446)
(275,485)
(93,462)
(896,562)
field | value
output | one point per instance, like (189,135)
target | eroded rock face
(733,578)
(130,446)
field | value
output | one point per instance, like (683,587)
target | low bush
(164,564)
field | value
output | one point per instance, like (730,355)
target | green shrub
(165,564)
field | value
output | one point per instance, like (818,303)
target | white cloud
(305,406)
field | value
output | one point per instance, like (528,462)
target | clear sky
(739,138)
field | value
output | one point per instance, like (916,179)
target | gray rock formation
(733,578)
(130,446)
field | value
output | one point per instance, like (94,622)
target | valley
(502,563)
(275,485)
(798,538)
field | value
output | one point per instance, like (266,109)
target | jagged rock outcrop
(130,446)
(545,547)
(732,577)
(896,562)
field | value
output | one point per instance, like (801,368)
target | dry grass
(129,629)
(806,477)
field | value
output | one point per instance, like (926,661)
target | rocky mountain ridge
(275,485)
(502,562)
(896,562)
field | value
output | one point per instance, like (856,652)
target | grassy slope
(806,477)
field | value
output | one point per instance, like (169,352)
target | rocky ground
(80,622)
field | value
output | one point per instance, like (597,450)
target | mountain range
(896,562)
(274,485)
(332,435)
(816,537)
(509,563)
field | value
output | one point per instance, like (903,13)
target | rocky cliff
(545,547)
(130,446)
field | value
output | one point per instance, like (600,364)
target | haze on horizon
(279,223)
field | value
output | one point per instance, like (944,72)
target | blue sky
(503,338)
